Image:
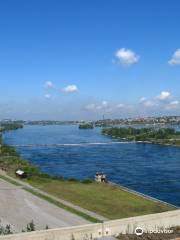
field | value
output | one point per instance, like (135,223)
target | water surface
(70,152)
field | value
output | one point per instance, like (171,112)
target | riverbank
(162,136)
(108,201)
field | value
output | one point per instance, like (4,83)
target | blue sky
(81,59)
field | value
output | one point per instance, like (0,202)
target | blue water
(70,152)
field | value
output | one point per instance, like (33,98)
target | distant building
(100,177)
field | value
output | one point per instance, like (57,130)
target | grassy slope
(109,201)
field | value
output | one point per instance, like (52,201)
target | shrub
(87,181)
(5,230)
(30,227)
(60,178)
(72,180)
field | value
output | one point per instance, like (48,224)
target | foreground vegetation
(151,135)
(109,201)
(6,230)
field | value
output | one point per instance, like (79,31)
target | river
(68,151)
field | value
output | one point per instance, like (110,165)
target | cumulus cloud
(175,60)
(49,84)
(163,102)
(164,95)
(70,88)
(126,57)
(148,103)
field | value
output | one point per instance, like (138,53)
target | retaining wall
(108,228)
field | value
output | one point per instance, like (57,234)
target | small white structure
(21,173)
(100,177)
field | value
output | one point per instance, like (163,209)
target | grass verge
(10,180)
(109,201)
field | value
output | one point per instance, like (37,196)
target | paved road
(18,207)
(64,202)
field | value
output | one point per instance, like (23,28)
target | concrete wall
(147,222)
(109,228)
(68,233)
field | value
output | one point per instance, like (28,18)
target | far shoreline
(162,136)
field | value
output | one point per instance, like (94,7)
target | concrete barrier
(147,222)
(82,232)
(109,228)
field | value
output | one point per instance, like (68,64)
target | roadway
(19,207)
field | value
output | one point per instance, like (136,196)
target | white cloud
(126,57)
(164,95)
(47,96)
(160,101)
(97,106)
(174,103)
(164,101)
(175,60)
(90,106)
(104,103)
(49,84)
(149,103)
(120,105)
(70,88)
(142,99)
(93,107)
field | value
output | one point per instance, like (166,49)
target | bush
(30,227)
(87,181)
(60,178)
(72,180)
(44,175)
(5,230)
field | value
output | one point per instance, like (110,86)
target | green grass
(109,201)
(10,180)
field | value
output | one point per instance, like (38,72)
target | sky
(80,60)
